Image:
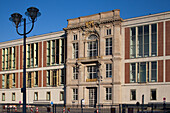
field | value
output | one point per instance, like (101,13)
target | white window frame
(108,70)
(75,50)
(108,46)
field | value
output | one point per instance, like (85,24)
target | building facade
(93,57)
(97,59)
(45,69)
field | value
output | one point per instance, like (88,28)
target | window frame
(3,96)
(151,94)
(132,98)
(108,46)
(75,94)
(108,93)
(61,95)
(147,43)
(109,70)
(13,96)
(48,96)
(35,94)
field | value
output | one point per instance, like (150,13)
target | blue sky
(56,12)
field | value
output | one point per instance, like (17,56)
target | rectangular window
(153,71)
(154,39)
(48,78)
(133,94)
(48,53)
(7,81)
(13,96)
(141,42)
(36,78)
(48,96)
(35,96)
(132,42)
(62,76)
(109,32)
(54,77)
(13,80)
(109,46)
(3,81)
(75,73)
(29,80)
(13,57)
(75,94)
(3,59)
(32,55)
(57,51)
(108,93)
(62,51)
(153,94)
(75,37)
(53,52)
(6,58)
(92,49)
(36,54)
(92,72)
(75,50)
(61,96)
(143,72)
(3,96)
(133,72)
(108,70)
(28,55)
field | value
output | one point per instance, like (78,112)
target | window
(3,81)
(13,96)
(32,55)
(13,80)
(3,96)
(48,53)
(61,96)
(55,51)
(141,43)
(109,46)
(153,94)
(75,73)
(62,76)
(75,37)
(54,77)
(48,78)
(92,49)
(36,96)
(62,51)
(143,72)
(92,72)
(133,94)
(108,31)
(48,96)
(6,58)
(29,83)
(75,94)
(3,59)
(36,78)
(133,72)
(13,57)
(7,81)
(75,50)
(108,93)
(108,70)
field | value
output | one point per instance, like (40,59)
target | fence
(56,108)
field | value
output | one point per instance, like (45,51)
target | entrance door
(92,97)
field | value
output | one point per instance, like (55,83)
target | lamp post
(99,78)
(32,13)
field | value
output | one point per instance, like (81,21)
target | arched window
(92,49)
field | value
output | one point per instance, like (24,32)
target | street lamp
(32,14)
(99,78)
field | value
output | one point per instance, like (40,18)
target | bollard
(31,110)
(68,110)
(64,110)
(97,111)
(15,109)
(36,109)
